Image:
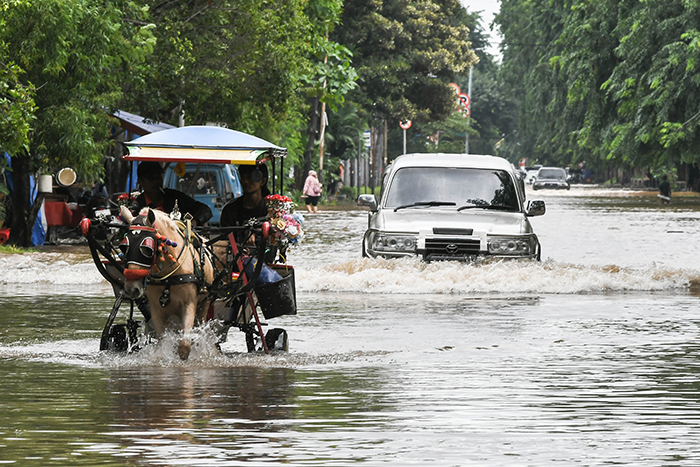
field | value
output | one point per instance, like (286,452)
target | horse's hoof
(183,350)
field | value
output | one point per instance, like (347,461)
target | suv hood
(481,220)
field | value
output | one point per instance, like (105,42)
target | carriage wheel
(118,338)
(277,339)
(250,341)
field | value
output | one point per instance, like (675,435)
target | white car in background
(551,178)
(451,207)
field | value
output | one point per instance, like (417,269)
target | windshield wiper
(426,203)
(499,207)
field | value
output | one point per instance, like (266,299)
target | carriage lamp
(85,225)
(515,246)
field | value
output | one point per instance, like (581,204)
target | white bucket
(45,183)
(66,177)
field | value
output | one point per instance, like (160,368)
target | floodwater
(587,358)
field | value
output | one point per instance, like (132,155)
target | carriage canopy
(202,144)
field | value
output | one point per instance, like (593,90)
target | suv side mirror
(535,208)
(367,200)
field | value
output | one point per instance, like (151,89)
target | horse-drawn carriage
(179,276)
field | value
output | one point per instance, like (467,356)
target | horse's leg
(204,308)
(187,301)
(158,315)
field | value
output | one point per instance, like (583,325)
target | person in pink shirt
(312,192)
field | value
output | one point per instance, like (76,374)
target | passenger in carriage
(252,203)
(150,178)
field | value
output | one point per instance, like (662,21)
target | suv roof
(451,160)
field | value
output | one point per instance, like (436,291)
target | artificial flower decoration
(285,223)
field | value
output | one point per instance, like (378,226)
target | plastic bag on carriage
(267,275)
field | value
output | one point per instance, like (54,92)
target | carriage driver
(150,178)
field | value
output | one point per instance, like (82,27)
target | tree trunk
(377,157)
(20,230)
(308,154)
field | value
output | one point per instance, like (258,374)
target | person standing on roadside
(312,192)
(665,190)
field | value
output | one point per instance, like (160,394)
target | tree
(330,78)
(406,54)
(76,53)
(250,65)
(16,105)
(493,114)
(233,62)
(16,116)
(342,138)
(530,29)
(614,83)
(654,85)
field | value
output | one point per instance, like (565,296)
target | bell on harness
(175,213)
(164,299)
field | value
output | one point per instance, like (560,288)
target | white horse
(162,262)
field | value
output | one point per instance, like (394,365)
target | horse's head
(138,250)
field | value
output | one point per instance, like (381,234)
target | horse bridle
(140,247)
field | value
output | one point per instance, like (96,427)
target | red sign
(405,125)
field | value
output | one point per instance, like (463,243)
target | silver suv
(451,207)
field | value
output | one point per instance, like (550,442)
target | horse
(162,261)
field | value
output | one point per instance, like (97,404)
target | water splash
(412,276)
(405,276)
(48,268)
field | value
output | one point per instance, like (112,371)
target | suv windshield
(461,187)
(555,174)
(205,182)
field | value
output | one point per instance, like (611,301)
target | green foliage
(239,63)
(14,250)
(343,133)
(611,82)
(16,99)
(16,107)
(406,54)
(4,190)
(75,55)
(331,76)
(493,114)
(71,57)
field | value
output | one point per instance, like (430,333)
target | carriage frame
(236,291)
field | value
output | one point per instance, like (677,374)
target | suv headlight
(404,243)
(515,246)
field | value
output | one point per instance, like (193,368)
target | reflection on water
(586,358)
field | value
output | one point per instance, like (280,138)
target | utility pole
(469,93)
(386,137)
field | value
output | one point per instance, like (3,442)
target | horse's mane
(164,224)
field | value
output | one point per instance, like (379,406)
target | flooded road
(587,358)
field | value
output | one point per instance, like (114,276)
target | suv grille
(451,248)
